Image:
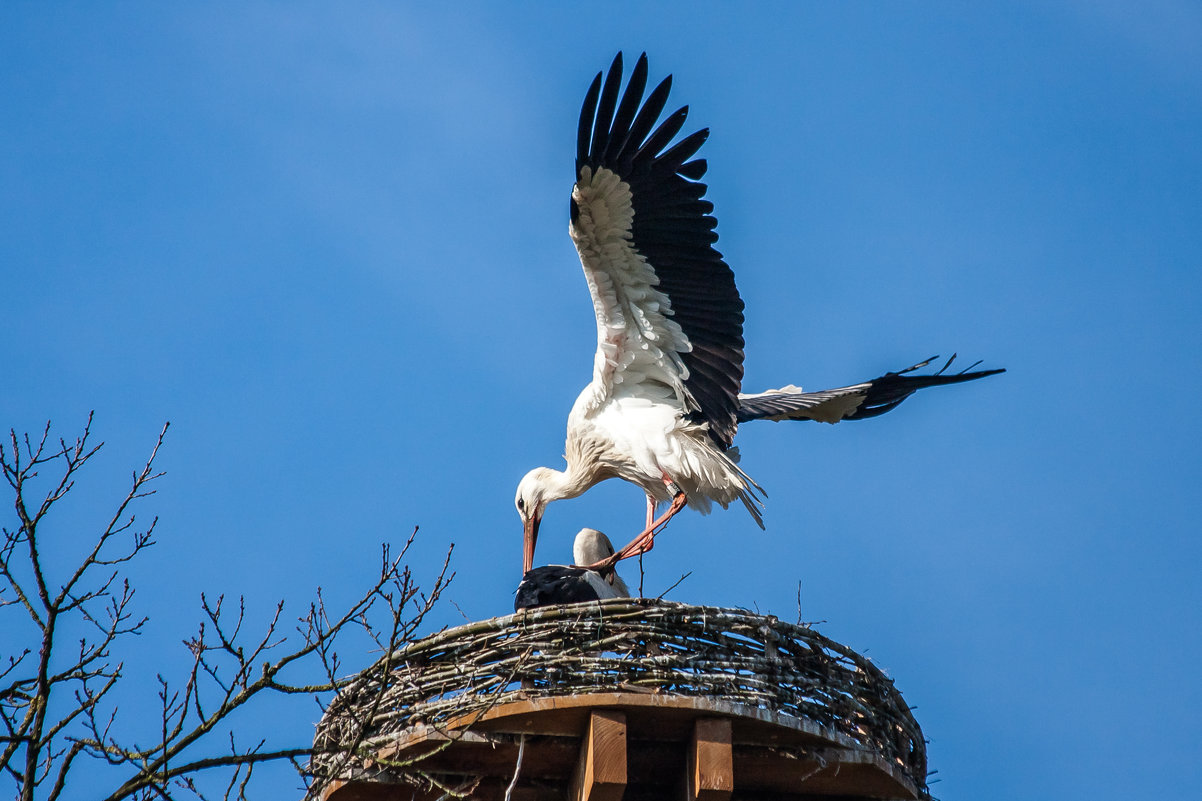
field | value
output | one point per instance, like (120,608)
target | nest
(731,655)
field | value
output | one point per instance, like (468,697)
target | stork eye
(521,505)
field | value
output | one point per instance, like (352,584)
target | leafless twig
(56,696)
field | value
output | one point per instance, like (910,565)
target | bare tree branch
(51,716)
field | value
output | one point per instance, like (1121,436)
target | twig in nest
(460,610)
(674,586)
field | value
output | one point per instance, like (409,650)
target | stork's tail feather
(754,507)
(855,402)
(752,495)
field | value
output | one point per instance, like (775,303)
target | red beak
(530,535)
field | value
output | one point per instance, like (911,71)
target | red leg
(650,511)
(645,541)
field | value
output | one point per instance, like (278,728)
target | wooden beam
(710,772)
(601,769)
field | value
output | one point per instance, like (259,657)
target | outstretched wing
(857,402)
(669,318)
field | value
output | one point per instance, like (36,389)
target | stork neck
(568,484)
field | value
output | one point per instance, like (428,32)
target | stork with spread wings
(665,403)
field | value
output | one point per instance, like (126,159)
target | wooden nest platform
(633,699)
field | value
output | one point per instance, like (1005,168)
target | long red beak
(530,535)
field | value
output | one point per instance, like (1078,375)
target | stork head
(590,547)
(531,501)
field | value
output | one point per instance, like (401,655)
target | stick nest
(623,645)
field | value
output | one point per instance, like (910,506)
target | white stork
(571,584)
(664,403)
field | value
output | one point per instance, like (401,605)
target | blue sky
(329,245)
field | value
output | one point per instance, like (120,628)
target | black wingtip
(607,104)
(584,131)
(624,116)
(887,392)
(694,170)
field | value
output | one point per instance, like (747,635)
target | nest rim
(762,666)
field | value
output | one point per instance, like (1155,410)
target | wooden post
(710,771)
(601,768)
